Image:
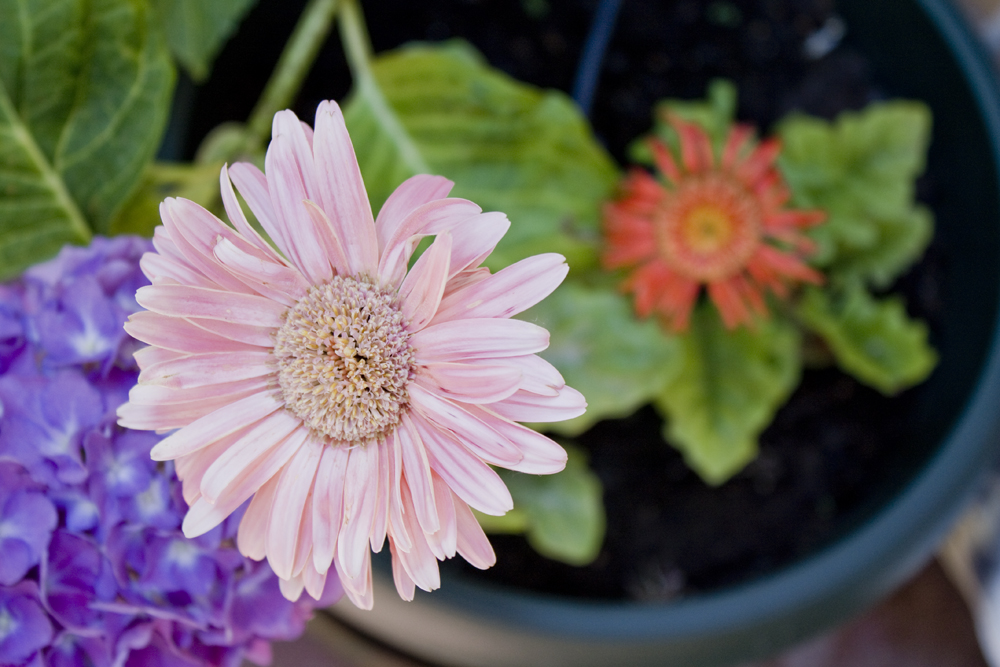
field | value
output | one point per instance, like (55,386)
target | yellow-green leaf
(727,391)
(873,340)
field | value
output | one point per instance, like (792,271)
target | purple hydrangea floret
(94,569)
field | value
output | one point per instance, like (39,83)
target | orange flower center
(709,227)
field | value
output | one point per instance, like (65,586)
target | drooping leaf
(508,146)
(561,514)
(715,114)
(618,362)
(197,29)
(84,95)
(861,170)
(727,391)
(873,340)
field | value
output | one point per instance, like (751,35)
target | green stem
(357,47)
(293,66)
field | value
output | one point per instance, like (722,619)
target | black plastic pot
(921,49)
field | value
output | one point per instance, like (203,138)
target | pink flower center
(709,227)
(344,360)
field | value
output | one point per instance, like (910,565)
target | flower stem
(358,49)
(293,66)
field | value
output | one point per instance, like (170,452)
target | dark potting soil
(836,446)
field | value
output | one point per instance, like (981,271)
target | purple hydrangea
(94,569)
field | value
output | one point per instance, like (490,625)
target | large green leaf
(562,515)
(861,170)
(873,340)
(84,95)
(197,29)
(618,362)
(508,146)
(726,393)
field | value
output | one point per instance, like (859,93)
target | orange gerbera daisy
(721,223)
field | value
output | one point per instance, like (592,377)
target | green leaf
(561,514)
(873,340)
(508,146)
(84,95)
(196,30)
(715,114)
(861,170)
(726,393)
(618,362)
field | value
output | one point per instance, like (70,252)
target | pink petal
(358,589)
(328,505)
(463,340)
(537,375)
(360,489)
(469,382)
(170,416)
(411,193)
(474,481)
(241,333)
(252,536)
(508,292)
(472,542)
(333,247)
(315,582)
(417,474)
(269,279)
(293,133)
(476,436)
(385,479)
(243,458)
(476,239)
(152,394)
(444,542)
(186,301)
(231,498)
(464,278)
(163,269)
(423,286)
(239,220)
(303,549)
(342,190)
(175,333)
(223,422)
(165,245)
(294,486)
(183,219)
(291,589)
(299,239)
(525,407)
(432,218)
(252,184)
(150,356)
(196,370)
(404,584)
(419,562)
(542,456)
(191,468)
(397,528)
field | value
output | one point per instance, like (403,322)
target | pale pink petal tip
(230,313)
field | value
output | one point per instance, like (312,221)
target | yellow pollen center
(706,229)
(344,360)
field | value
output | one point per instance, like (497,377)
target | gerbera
(715,222)
(352,397)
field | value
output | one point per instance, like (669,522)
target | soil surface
(833,452)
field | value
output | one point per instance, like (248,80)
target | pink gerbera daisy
(715,223)
(352,398)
